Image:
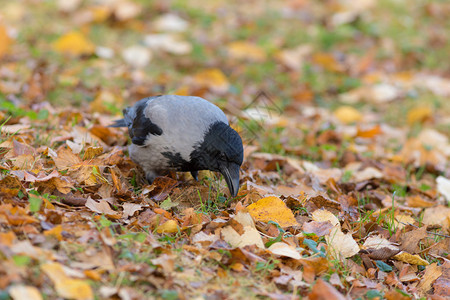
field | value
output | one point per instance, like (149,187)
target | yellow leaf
(170,226)
(65,286)
(327,61)
(213,79)
(24,292)
(347,114)
(55,231)
(246,50)
(74,43)
(419,114)
(272,209)
(5,41)
(411,259)
(92,152)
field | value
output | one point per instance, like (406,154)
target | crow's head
(221,150)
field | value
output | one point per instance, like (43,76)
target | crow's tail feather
(119,123)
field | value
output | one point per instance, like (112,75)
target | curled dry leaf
(284,249)
(249,236)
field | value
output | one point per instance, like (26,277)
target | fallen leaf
(170,226)
(74,43)
(272,209)
(129,209)
(250,235)
(410,240)
(170,22)
(24,292)
(64,285)
(137,56)
(5,42)
(438,215)
(102,207)
(341,245)
(419,114)
(246,50)
(55,231)
(411,259)
(323,290)
(347,114)
(369,133)
(443,187)
(432,272)
(284,249)
(213,79)
(327,61)
(323,215)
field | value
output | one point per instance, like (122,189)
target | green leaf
(21,260)
(383,266)
(275,240)
(374,294)
(169,295)
(168,204)
(42,114)
(35,203)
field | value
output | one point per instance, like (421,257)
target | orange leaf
(5,41)
(272,209)
(55,231)
(327,61)
(369,133)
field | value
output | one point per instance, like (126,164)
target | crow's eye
(222,156)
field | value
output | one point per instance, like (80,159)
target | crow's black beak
(231,173)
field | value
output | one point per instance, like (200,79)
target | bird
(182,133)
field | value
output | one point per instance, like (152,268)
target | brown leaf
(65,159)
(322,290)
(102,207)
(410,240)
(318,228)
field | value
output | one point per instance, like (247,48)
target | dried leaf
(247,51)
(74,43)
(272,209)
(284,249)
(411,259)
(347,114)
(213,79)
(102,207)
(24,292)
(5,41)
(170,226)
(324,290)
(65,286)
(341,245)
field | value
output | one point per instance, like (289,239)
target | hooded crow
(182,133)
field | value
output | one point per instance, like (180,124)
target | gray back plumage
(182,122)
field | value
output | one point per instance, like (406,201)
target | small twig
(439,234)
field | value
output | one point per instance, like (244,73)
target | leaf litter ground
(345,183)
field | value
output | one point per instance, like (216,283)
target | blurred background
(360,61)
